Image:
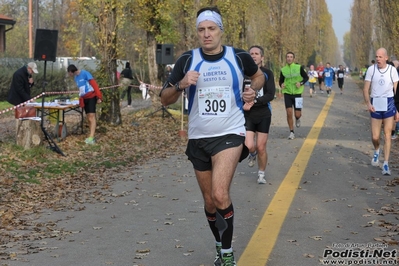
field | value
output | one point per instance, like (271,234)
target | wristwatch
(177,87)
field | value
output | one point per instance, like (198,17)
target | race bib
(327,74)
(340,75)
(214,101)
(259,93)
(321,73)
(299,102)
(380,104)
(82,90)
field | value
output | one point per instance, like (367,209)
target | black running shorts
(200,151)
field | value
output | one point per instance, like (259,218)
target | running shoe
(252,159)
(228,259)
(291,136)
(394,136)
(385,170)
(376,159)
(322,92)
(90,140)
(298,123)
(261,179)
(218,260)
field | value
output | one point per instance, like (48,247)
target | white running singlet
(382,81)
(215,104)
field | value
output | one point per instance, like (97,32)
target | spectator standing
(21,84)
(89,96)
(168,71)
(127,81)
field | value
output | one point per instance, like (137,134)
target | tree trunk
(111,108)
(29,133)
(153,70)
(152,64)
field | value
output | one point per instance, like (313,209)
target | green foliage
(361,38)
(5,81)
(110,29)
(386,25)
(5,105)
(56,79)
(43,166)
(346,49)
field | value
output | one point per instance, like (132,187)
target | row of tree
(130,29)
(133,27)
(374,24)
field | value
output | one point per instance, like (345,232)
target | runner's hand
(189,79)
(248,95)
(370,108)
(247,106)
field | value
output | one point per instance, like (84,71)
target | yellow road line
(265,236)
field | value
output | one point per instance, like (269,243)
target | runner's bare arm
(169,95)
(172,93)
(257,80)
(366,95)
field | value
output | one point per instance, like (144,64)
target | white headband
(211,16)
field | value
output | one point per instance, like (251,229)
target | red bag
(25,111)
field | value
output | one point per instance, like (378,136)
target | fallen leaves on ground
(118,150)
(388,226)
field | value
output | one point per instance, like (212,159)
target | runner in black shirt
(340,77)
(258,117)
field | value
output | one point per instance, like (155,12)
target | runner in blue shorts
(329,77)
(390,112)
(381,79)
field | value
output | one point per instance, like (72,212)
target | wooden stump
(29,133)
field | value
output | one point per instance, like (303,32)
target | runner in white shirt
(382,79)
(212,76)
(313,76)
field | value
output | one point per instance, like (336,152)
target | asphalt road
(154,215)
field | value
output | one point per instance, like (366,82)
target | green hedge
(56,80)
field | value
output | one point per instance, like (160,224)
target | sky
(340,11)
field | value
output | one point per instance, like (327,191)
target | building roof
(4,20)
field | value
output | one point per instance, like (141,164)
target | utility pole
(31,26)
(30,30)
(36,15)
